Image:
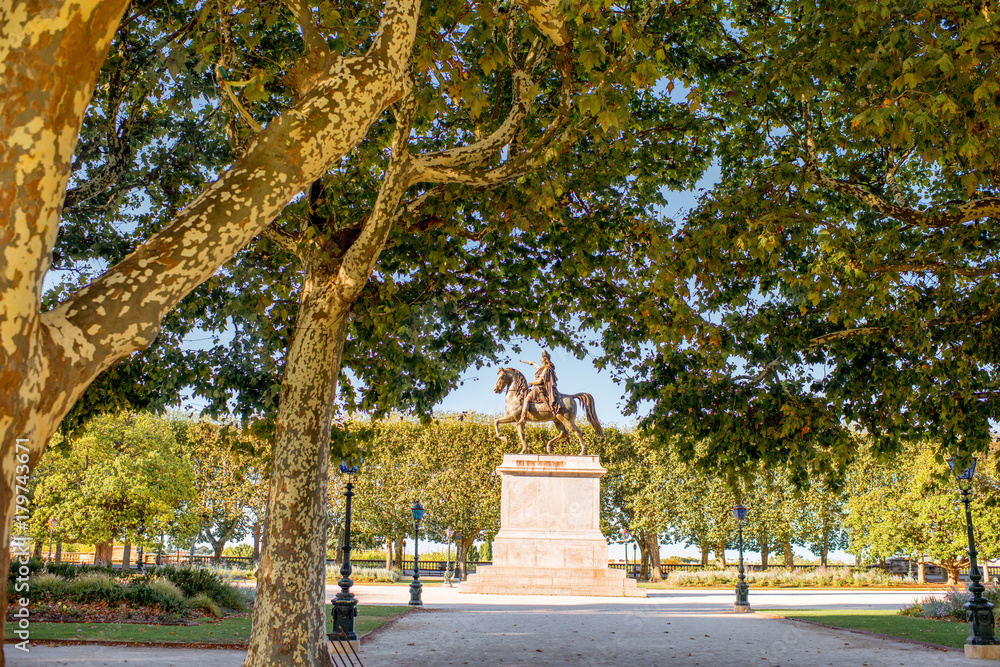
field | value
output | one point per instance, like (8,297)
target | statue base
(982,651)
(550,542)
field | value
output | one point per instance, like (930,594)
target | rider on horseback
(543,388)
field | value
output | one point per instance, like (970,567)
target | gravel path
(668,628)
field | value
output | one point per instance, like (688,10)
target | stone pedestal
(982,651)
(550,541)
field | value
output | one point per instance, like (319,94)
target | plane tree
(842,272)
(285,144)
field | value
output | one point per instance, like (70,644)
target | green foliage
(361,575)
(907,505)
(787,578)
(842,272)
(204,602)
(950,605)
(120,478)
(193,581)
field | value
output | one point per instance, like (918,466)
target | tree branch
(311,35)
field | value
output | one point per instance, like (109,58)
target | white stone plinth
(550,541)
(982,651)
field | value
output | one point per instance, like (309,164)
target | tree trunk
(655,573)
(54,50)
(256,541)
(824,545)
(704,555)
(127,556)
(786,547)
(921,571)
(951,567)
(643,556)
(388,552)
(37,551)
(288,614)
(194,543)
(103,551)
(720,554)
(58,551)
(765,547)
(399,552)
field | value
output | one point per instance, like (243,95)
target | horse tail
(588,407)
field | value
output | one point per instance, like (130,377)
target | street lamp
(742,589)
(626,536)
(978,611)
(345,605)
(449,531)
(415,585)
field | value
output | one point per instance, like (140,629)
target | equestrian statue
(540,401)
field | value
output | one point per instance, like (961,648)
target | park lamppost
(742,589)
(449,531)
(345,605)
(415,585)
(978,611)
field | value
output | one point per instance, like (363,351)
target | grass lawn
(883,621)
(228,631)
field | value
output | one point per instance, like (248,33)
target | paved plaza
(667,628)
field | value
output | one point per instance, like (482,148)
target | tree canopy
(842,271)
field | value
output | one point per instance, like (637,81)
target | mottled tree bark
(765,547)
(655,574)
(720,554)
(103,553)
(288,623)
(50,55)
(786,547)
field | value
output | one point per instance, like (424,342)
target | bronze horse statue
(513,381)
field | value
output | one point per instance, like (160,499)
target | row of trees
(902,504)
(136,478)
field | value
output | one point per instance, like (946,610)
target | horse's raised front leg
(562,434)
(496,427)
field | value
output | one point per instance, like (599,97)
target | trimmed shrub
(823,576)
(362,575)
(95,586)
(45,582)
(205,603)
(195,580)
(951,605)
(156,591)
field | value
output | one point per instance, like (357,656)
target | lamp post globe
(978,610)
(415,585)
(449,531)
(742,603)
(345,605)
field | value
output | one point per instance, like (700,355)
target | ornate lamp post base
(742,604)
(415,588)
